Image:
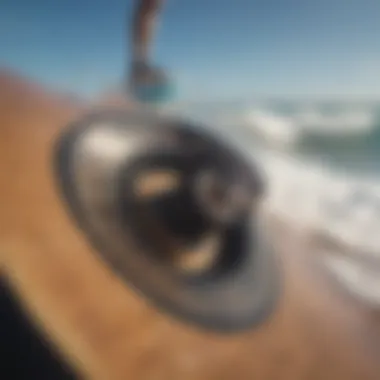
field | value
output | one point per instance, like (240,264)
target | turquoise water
(355,148)
(342,135)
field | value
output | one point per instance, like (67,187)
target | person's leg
(146,83)
(143,24)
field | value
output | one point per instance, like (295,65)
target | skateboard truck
(174,212)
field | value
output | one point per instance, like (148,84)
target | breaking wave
(320,163)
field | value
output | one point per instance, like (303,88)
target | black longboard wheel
(175,212)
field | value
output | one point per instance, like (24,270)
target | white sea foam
(347,122)
(285,130)
(273,128)
(344,208)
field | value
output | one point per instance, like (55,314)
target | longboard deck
(106,330)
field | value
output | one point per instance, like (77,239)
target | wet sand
(106,330)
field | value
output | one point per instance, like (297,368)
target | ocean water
(320,159)
(321,164)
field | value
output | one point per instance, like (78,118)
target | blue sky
(215,48)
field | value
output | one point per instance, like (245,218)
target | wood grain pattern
(109,332)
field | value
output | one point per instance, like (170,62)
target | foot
(149,84)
